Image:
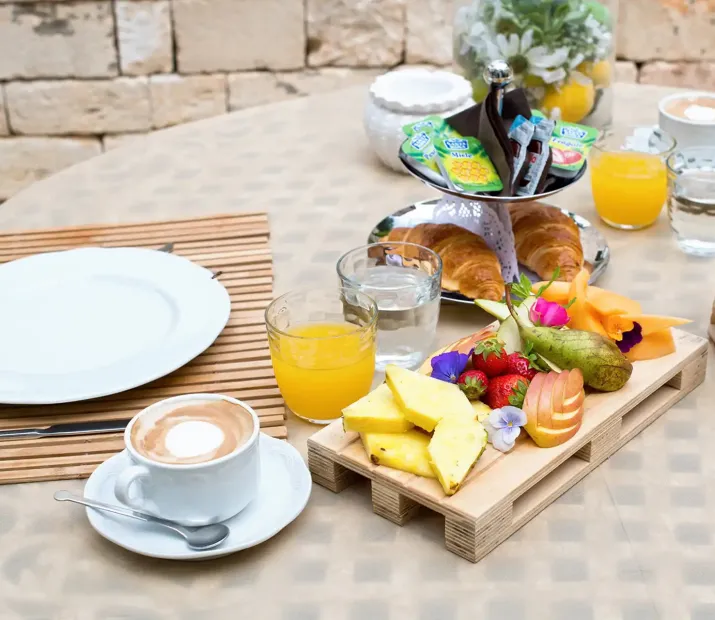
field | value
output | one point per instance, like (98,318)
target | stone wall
(81,76)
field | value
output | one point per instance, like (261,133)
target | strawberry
(489,357)
(473,383)
(517,364)
(507,390)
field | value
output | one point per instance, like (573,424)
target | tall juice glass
(629,177)
(322,346)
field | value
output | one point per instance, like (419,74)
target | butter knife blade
(59,430)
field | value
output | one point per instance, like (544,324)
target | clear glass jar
(561,51)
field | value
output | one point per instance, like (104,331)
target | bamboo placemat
(238,364)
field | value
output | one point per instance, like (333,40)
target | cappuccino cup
(194,459)
(689,117)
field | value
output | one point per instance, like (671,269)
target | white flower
(525,59)
(504,427)
(475,38)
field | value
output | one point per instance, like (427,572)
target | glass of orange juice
(322,346)
(628,176)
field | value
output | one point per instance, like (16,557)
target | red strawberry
(519,365)
(489,357)
(507,390)
(473,383)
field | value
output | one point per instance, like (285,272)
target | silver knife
(75,428)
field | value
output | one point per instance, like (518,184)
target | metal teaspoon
(199,538)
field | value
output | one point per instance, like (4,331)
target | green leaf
(554,275)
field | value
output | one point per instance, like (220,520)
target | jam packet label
(570,145)
(468,165)
(537,158)
(420,147)
(520,134)
(430,125)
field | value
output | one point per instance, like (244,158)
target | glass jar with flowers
(561,52)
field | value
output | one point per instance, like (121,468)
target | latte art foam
(197,432)
(192,438)
(698,109)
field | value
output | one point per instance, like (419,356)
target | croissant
(545,238)
(469,267)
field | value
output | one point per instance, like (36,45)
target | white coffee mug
(191,494)
(686,132)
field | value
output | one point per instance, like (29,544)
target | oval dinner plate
(91,322)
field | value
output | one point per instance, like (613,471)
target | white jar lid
(420,91)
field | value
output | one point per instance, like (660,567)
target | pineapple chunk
(456,446)
(481,409)
(404,451)
(376,413)
(424,400)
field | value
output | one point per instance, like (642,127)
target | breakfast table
(635,540)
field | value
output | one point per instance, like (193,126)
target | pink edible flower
(548,313)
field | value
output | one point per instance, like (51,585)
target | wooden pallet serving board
(506,491)
(237,364)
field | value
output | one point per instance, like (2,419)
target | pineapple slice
(456,446)
(424,400)
(403,451)
(482,410)
(376,413)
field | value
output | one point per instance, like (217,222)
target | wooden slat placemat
(238,364)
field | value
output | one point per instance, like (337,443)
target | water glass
(405,281)
(691,199)
(322,344)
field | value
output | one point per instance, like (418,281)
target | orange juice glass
(629,177)
(322,346)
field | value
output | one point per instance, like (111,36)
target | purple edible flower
(548,313)
(631,338)
(448,366)
(504,427)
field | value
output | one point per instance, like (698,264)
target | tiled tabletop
(633,541)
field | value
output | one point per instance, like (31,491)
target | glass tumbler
(322,345)
(691,199)
(405,281)
(628,176)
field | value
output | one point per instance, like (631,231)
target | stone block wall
(78,77)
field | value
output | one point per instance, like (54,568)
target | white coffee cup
(191,494)
(687,131)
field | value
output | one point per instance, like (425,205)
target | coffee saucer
(283,493)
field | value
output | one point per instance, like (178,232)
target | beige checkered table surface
(633,541)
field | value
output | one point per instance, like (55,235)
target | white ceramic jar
(403,96)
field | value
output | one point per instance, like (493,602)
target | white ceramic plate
(91,322)
(282,495)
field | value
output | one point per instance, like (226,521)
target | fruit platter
(494,427)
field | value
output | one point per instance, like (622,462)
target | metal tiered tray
(595,248)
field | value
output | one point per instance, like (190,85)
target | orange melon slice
(606,303)
(652,323)
(583,316)
(655,345)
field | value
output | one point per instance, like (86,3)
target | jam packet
(538,153)
(467,164)
(430,125)
(420,147)
(520,135)
(570,145)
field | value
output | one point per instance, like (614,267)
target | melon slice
(651,323)
(653,346)
(606,303)
(558,291)
(603,301)
(583,316)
